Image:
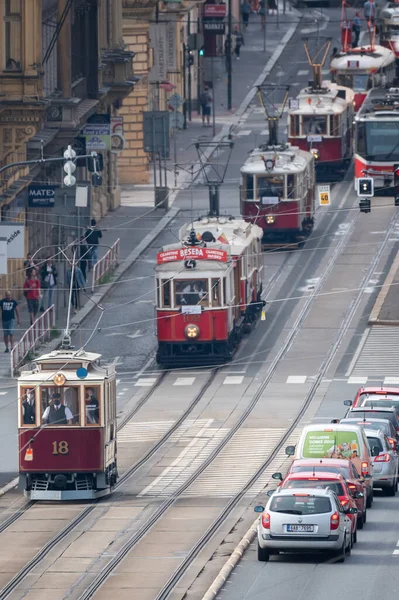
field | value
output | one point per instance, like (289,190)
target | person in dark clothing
(9,310)
(28,408)
(93,236)
(56,413)
(245,12)
(239,41)
(83,255)
(79,282)
(48,281)
(92,412)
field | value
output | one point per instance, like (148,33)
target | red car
(379,394)
(334,481)
(341,466)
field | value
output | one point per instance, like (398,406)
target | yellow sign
(324,195)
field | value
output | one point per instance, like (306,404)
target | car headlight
(270,219)
(192,332)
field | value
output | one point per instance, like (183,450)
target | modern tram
(67,427)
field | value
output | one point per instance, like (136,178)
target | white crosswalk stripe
(380,354)
(148,431)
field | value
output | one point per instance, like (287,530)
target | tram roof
(391,13)
(364,57)
(331,99)
(380,103)
(68,362)
(289,160)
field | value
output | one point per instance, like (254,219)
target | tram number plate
(324,195)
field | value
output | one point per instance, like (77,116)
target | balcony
(117,72)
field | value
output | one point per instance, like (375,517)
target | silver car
(385,462)
(304,520)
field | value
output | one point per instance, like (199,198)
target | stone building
(63,65)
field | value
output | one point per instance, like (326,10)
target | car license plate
(301,528)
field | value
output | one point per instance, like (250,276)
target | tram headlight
(315,153)
(270,219)
(59,379)
(192,332)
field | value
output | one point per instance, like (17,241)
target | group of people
(41,280)
(57,412)
(257,7)
(369,12)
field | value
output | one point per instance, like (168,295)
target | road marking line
(303,72)
(233,380)
(296,379)
(358,380)
(396,552)
(264,132)
(142,382)
(184,381)
(244,132)
(391,380)
(3,393)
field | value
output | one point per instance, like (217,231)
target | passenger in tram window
(56,413)
(91,404)
(71,401)
(28,408)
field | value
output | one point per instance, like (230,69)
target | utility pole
(230,47)
(189,61)
(184,86)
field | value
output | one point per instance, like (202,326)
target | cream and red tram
(321,121)
(377,137)
(389,29)
(67,427)
(277,193)
(363,69)
(208,291)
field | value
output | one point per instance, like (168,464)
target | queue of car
(322,501)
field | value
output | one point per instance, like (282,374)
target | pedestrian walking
(239,41)
(93,236)
(83,255)
(29,264)
(245,12)
(369,11)
(272,5)
(78,283)
(48,281)
(262,12)
(9,310)
(32,294)
(356,27)
(206,104)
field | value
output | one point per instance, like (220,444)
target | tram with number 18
(67,427)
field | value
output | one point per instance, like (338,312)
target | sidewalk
(386,307)
(136,222)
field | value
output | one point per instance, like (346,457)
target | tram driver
(57,413)
(28,408)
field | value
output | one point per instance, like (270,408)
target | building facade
(63,65)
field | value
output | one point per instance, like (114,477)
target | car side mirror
(351,511)
(357,495)
(335,420)
(259,508)
(348,402)
(270,492)
(290,450)
(368,476)
(277,476)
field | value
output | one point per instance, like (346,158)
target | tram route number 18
(60,448)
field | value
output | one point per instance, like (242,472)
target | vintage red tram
(208,290)
(277,193)
(67,427)
(321,121)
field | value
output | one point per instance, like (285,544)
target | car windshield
(383,425)
(381,402)
(377,414)
(326,469)
(300,505)
(316,483)
(378,140)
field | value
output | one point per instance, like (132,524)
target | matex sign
(194,252)
(41,196)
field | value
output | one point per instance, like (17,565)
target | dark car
(388,413)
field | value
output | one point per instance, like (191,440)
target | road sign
(324,195)
(176,120)
(214,27)
(175,101)
(293,103)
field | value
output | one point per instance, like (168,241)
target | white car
(385,462)
(304,520)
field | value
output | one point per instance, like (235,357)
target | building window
(12,35)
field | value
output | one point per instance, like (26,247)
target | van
(334,440)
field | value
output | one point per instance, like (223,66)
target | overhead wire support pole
(229,64)
(39,161)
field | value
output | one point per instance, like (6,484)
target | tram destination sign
(193,253)
(324,195)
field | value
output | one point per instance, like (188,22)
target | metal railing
(37,334)
(107,263)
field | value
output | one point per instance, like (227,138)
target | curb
(374,315)
(9,486)
(234,559)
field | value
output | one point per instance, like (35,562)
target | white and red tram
(209,290)
(363,69)
(321,121)
(277,193)
(377,137)
(389,30)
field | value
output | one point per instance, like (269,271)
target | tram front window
(271,189)
(344,79)
(28,406)
(380,142)
(361,83)
(60,406)
(92,406)
(191,292)
(314,125)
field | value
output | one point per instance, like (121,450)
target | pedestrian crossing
(378,354)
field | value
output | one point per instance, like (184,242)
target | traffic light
(365,205)
(190,58)
(201,51)
(95,164)
(69,167)
(365,187)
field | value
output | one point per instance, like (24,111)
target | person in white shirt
(56,413)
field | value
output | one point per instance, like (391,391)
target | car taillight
(266,520)
(365,468)
(352,487)
(334,521)
(392,443)
(382,458)
(344,502)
